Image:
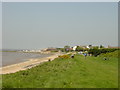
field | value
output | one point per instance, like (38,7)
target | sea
(9,58)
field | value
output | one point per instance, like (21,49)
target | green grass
(80,72)
(112,54)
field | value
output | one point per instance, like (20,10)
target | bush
(111,54)
(96,52)
(79,48)
(64,56)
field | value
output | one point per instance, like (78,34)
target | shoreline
(27,64)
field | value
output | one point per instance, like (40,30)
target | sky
(37,25)
(60,0)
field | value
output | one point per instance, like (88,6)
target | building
(74,48)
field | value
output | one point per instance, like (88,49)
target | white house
(74,48)
(88,47)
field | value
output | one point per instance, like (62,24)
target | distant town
(66,48)
(69,48)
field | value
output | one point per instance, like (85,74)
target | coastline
(27,64)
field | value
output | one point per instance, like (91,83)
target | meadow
(77,72)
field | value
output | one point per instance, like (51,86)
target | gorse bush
(64,56)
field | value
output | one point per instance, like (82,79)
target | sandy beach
(26,65)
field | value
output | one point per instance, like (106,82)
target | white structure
(88,47)
(74,48)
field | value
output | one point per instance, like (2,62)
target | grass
(112,54)
(80,72)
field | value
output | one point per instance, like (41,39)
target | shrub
(64,56)
(96,52)
(112,54)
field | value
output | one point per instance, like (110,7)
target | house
(74,48)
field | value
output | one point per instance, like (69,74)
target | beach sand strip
(26,65)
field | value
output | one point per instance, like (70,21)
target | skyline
(42,25)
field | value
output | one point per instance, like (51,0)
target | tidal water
(9,58)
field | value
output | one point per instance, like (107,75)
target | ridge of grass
(79,72)
(112,54)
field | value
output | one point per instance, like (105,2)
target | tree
(66,48)
(79,48)
(95,47)
(101,46)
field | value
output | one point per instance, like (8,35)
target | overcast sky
(39,25)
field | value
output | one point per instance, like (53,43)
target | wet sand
(26,65)
(10,58)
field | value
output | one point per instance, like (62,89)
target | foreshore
(26,65)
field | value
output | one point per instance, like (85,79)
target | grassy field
(80,72)
(112,54)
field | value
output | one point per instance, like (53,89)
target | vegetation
(77,72)
(96,52)
(79,48)
(101,46)
(64,56)
(65,49)
(112,54)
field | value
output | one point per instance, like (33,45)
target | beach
(10,58)
(26,65)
